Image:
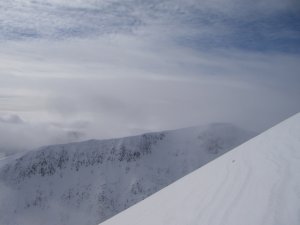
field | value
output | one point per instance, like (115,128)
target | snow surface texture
(258,183)
(85,183)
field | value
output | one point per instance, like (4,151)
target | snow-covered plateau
(257,183)
(88,182)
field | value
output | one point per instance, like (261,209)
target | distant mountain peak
(93,180)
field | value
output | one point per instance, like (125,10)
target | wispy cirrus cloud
(259,25)
(72,70)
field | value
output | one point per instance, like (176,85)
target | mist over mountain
(88,182)
(90,79)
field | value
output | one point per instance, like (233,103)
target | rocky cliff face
(88,182)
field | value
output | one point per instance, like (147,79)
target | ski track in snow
(258,183)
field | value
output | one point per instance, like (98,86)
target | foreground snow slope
(88,182)
(257,183)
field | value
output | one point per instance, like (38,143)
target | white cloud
(122,86)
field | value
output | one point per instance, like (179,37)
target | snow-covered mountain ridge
(88,182)
(256,183)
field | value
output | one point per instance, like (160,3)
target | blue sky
(73,70)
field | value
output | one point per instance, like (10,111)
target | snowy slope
(257,183)
(88,182)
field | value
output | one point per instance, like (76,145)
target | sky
(83,69)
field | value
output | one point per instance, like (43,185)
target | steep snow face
(256,183)
(88,182)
